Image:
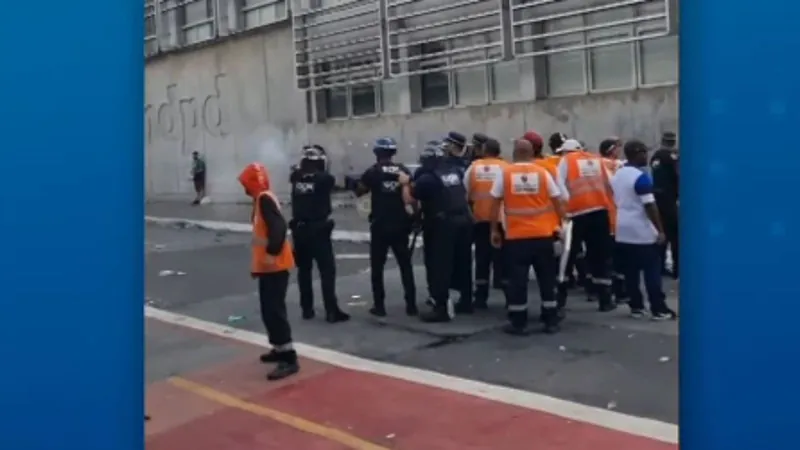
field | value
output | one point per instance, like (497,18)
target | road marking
(348,256)
(307,426)
(639,426)
(238,227)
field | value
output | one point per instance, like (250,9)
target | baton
(566,249)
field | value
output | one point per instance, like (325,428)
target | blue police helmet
(432,152)
(384,146)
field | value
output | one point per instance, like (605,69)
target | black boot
(411,308)
(438,314)
(378,309)
(336,316)
(287,366)
(481,298)
(309,314)
(271,357)
(518,329)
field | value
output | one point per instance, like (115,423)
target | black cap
(668,137)
(556,140)
(479,138)
(607,145)
(456,138)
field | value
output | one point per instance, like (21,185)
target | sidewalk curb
(358,237)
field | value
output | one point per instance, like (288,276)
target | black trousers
(643,259)
(381,241)
(272,289)
(668,210)
(522,254)
(449,259)
(488,260)
(313,244)
(593,229)
(427,255)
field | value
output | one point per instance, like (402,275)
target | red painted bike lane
(232,407)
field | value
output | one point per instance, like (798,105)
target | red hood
(254,179)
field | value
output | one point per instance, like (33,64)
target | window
(506,77)
(363,97)
(658,61)
(336,103)
(611,66)
(470,86)
(566,69)
(150,32)
(263,12)
(199,25)
(435,86)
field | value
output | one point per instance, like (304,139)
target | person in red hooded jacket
(271,258)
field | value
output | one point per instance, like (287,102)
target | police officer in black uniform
(390,225)
(312,228)
(665,168)
(455,145)
(440,189)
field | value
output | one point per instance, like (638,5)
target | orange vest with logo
(528,203)
(260,261)
(587,183)
(482,176)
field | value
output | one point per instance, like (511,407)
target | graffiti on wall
(187,119)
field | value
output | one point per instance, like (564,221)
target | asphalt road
(609,360)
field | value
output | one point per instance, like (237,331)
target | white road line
(237,227)
(613,420)
(349,256)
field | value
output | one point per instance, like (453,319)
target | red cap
(534,138)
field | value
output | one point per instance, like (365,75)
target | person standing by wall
(198,177)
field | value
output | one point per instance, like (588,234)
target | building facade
(245,80)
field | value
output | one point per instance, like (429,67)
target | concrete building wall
(236,101)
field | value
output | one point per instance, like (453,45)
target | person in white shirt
(639,233)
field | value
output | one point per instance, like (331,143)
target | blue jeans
(638,259)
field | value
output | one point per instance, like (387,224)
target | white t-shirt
(633,189)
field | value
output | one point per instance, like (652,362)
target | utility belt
(309,227)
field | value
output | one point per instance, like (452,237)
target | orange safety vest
(550,163)
(586,182)
(482,176)
(528,203)
(258,261)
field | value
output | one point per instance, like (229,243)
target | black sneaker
(437,315)
(515,330)
(552,328)
(283,369)
(638,314)
(271,357)
(664,316)
(337,316)
(607,307)
(378,311)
